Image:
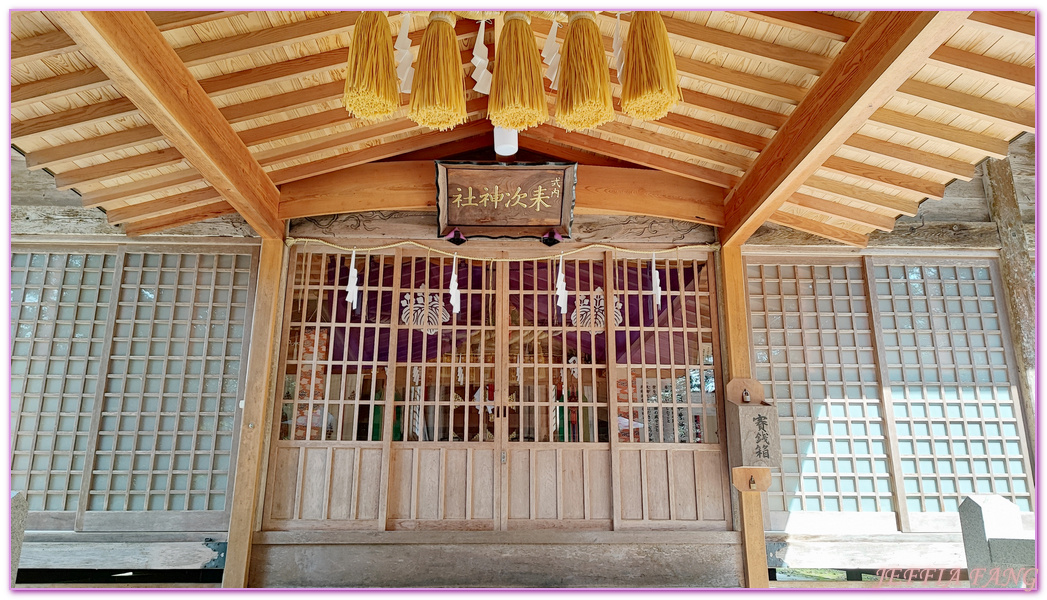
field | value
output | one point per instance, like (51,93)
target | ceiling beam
(144,67)
(885,51)
(58,42)
(412,186)
(820,229)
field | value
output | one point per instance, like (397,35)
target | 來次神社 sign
(500,200)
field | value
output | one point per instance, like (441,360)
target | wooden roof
(778,121)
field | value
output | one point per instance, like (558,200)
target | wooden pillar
(257,409)
(740,430)
(1018,274)
(751,483)
(735,313)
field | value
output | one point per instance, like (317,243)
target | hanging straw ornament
(438,93)
(561,288)
(481,75)
(456,296)
(617,55)
(518,94)
(404,70)
(584,98)
(551,54)
(371,86)
(650,86)
(352,291)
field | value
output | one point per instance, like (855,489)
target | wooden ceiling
(833,123)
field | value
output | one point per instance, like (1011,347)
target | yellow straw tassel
(437,92)
(583,100)
(517,93)
(371,86)
(650,86)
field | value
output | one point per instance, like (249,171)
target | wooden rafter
(425,139)
(573,154)
(203,53)
(267,75)
(623,152)
(135,55)
(993,147)
(1005,22)
(147,210)
(267,158)
(181,217)
(946,57)
(753,48)
(688,67)
(825,230)
(159,210)
(840,211)
(412,186)
(236,113)
(58,42)
(885,51)
(863,195)
(972,106)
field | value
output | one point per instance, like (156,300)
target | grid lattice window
(167,422)
(667,388)
(953,399)
(59,305)
(813,351)
(445,374)
(337,354)
(557,362)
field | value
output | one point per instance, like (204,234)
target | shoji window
(127,374)
(59,306)
(813,350)
(952,394)
(894,384)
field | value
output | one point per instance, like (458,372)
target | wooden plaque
(497,200)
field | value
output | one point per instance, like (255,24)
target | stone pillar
(1019,281)
(19,512)
(999,555)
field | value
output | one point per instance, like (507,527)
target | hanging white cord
(551,55)
(618,55)
(352,290)
(561,288)
(404,70)
(456,296)
(481,75)
(656,282)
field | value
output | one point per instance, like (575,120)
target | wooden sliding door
(513,412)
